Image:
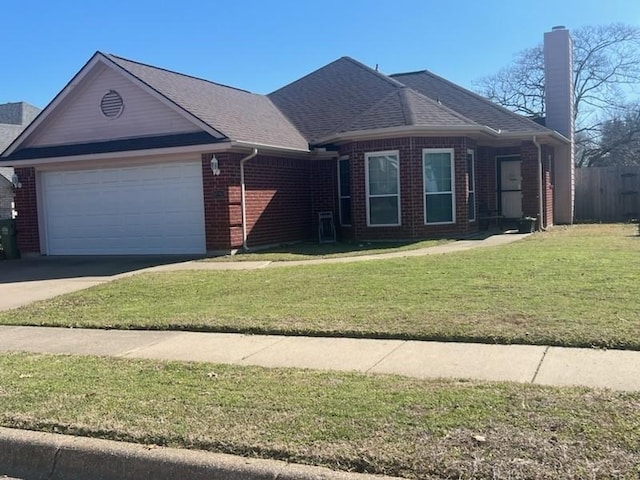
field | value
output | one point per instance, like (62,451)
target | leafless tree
(606,62)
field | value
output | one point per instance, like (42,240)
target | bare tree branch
(606,61)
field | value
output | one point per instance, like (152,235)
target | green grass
(314,250)
(577,286)
(377,424)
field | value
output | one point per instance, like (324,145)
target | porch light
(214,166)
(16,181)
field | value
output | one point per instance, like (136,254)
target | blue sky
(263,45)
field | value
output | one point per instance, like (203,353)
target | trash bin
(9,239)
(526,225)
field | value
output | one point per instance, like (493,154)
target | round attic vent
(111,104)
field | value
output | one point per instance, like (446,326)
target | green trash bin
(9,239)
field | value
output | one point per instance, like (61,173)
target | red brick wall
(223,220)
(486,179)
(411,188)
(278,201)
(27,207)
(530,182)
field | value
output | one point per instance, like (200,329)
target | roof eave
(414,130)
(552,135)
(479,131)
(158,152)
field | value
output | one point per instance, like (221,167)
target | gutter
(243,198)
(155,152)
(540,186)
(415,130)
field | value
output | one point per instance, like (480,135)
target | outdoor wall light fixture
(16,181)
(214,166)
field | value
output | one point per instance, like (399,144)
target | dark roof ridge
(467,92)
(111,55)
(364,67)
(449,110)
(351,120)
(381,75)
(409,114)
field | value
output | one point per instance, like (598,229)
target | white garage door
(133,210)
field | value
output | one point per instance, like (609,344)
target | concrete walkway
(457,246)
(541,365)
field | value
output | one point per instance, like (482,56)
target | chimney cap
(558,27)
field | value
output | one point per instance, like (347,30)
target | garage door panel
(133,210)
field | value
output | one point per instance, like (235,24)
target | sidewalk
(30,454)
(542,365)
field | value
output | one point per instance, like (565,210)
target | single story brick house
(134,159)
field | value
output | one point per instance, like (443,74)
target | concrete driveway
(30,279)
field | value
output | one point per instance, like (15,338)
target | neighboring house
(130,158)
(14,117)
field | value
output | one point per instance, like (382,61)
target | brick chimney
(558,71)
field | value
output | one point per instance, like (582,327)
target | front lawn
(378,424)
(574,286)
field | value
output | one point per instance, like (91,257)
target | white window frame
(452,163)
(340,196)
(367,155)
(472,188)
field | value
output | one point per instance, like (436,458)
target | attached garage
(146,209)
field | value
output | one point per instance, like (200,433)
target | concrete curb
(36,455)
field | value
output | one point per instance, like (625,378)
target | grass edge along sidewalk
(380,424)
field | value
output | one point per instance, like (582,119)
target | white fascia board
(157,152)
(382,133)
(265,146)
(552,135)
(154,152)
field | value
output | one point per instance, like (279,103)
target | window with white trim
(439,193)
(471,185)
(383,188)
(344,190)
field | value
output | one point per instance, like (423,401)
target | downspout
(540,186)
(243,198)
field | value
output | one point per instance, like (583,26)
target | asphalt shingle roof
(341,97)
(467,103)
(333,95)
(8,134)
(237,114)
(6,173)
(346,95)
(405,107)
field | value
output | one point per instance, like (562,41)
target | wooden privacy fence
(607,194)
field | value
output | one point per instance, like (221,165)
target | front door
(510,186)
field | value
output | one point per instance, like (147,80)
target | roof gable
(331,96)
(78,119)
(237,114)
(467,103)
